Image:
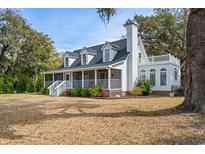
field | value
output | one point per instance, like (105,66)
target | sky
(72,29)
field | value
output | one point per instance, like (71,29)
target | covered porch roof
(85,67)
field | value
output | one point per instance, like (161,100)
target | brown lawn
(37,119)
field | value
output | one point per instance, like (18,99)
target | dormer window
(87,54)
(107,55)
(84,59)
(109,51)
(66,62)
(69,58)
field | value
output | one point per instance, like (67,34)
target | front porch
(107,79)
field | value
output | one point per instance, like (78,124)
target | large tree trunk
(195,62)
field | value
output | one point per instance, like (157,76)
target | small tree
(145,85)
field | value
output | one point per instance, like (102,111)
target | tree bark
(195,62)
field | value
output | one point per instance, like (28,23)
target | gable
(108,53)
(69,58)
(87,55)
(144,57)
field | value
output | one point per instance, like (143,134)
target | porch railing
(59,86)
(103,83)
(77,83)
(89,83)
(116,83)
(53,86)
(48,83)
(64,85)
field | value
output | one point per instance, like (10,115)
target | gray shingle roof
(71,54)
(91,51)
(98,58)
(114,45)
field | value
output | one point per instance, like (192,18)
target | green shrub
(85,92)
(137,91)
(30,85)
(75,92)
(94,91)
(22,84)
(39,84)
(145,85)
(45,91)
(147,88)
(8,86)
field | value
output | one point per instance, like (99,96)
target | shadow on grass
(22,113)
(189,139)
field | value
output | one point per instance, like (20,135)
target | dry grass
(36,119)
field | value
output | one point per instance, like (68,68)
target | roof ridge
(100,44)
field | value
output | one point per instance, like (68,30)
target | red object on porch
(105,93)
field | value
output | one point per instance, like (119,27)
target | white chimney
(132,48)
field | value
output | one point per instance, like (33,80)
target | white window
(84,60)
(107,55)
(163,77)
(142,75)
(153,77)
(66,61)
(140,56)
(175,74)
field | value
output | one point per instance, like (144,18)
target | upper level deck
(162,59)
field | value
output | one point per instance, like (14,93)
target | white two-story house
(114,66)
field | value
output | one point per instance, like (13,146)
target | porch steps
(58,87)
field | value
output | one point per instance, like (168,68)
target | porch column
(71,79)
(53,78)
(63,76)
(82,79)
(109,78)
(96,77)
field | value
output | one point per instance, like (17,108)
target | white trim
(53,77)
(71,79)
(82,79)
(67,74)
(105,44)
(117,64)
(109,78)
(96,77)
(156,63)
(80,69)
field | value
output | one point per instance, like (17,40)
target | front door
(67,77)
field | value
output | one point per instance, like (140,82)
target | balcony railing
(158,58)
(163,58)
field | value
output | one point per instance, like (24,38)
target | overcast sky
(72,29)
